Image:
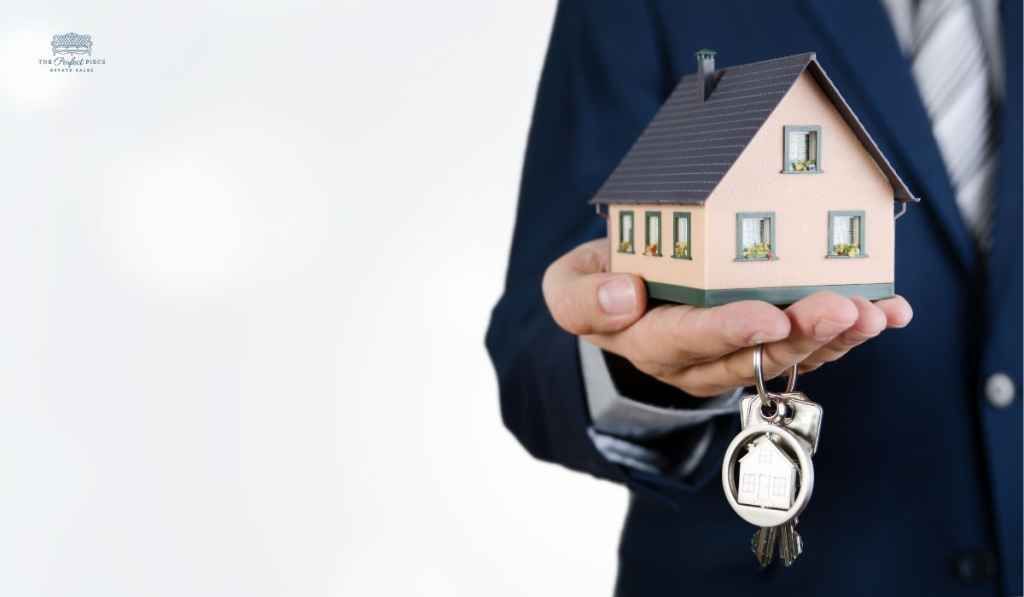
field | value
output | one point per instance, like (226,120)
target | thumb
(583,299)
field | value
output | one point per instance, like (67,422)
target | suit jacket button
(974,566)
(999,390)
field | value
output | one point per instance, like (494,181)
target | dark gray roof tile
(690,144)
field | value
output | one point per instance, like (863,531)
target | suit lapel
(873,65)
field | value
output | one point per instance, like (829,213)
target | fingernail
(827,329)
(617,296)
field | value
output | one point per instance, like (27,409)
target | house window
(652,234)
(846,234)
(778,486)
(681,235)
(801,149)
(755,236)
(625,232)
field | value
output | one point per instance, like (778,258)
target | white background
(247,267)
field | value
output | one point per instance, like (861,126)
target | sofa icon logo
(71,43)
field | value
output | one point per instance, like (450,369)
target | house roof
(690,144)
(765,443)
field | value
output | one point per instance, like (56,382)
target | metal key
(803,417)
(785,537)
(779,435)
(763,545)
(791,545)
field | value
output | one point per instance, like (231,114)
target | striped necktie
(953,74)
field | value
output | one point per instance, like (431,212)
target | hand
(706,351)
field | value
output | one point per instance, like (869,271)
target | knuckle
(590,259)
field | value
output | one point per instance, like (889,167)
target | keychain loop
(762,393)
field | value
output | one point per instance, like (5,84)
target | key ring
(767,516)
(762,393)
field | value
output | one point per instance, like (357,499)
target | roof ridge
(806,55)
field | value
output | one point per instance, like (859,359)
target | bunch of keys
(767,473)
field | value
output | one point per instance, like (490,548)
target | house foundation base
(778,295)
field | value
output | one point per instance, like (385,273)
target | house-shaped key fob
(767,476)
(755,182)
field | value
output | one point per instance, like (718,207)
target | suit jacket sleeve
(604,77)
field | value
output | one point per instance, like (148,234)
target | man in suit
(918,479)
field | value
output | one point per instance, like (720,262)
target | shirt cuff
(626,417)
(621,424)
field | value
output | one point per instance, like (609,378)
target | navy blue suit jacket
(918,485)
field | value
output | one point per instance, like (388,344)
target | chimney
(705,73)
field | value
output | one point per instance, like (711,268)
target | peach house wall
(685,272)
(850,180)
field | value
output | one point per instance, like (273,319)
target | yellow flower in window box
(625,247)
(757,251)
(847,250)
(681,249)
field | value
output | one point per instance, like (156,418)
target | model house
(755,182)
(767,476)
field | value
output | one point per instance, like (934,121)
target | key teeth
(763,546)
(791,545)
